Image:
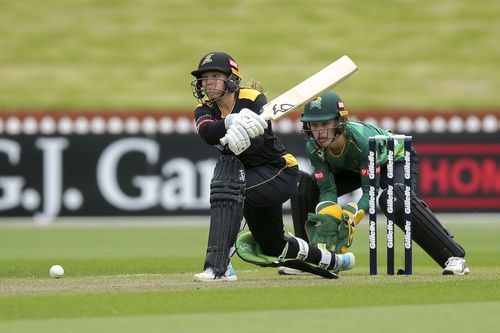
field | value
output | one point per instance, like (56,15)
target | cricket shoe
(208,275)
(343,262)
(456,266)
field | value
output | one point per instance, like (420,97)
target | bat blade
(312,87)
(307,90)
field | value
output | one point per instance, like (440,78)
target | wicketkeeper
(338,151)
(253,178)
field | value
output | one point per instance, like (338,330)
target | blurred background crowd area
(137,54)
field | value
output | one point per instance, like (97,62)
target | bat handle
(265,116)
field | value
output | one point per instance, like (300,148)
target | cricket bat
(312,87)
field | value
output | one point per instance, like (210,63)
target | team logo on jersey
(319,175)
(208,59)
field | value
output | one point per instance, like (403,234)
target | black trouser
(267,188)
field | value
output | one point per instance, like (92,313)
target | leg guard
(226,203)
(250,251)
(303,200)
(427,231)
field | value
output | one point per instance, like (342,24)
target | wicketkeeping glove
(323,226)
(323,229)
(351,216)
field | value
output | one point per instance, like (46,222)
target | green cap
(326,107)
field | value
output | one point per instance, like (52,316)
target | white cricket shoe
(290,271)
(456,266)
(208,275)
(344,262)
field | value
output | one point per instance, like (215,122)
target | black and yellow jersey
(210,125)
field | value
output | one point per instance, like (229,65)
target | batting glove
(231,119)
(253,124)
(237,139)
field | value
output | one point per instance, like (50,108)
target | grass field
(137,54)
(133,276)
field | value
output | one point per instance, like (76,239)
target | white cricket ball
(56,271)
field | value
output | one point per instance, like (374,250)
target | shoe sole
(446,272)
(222,279)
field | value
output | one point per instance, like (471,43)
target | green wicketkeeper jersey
(354,157)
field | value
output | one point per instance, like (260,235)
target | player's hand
(351,216)
(253,124)
(323,229)
(237,139)
(230,119)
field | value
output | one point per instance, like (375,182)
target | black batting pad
(227,194)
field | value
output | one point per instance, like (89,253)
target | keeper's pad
(303,201)
(305,267)
(250,251)
(427,231)
(227,194)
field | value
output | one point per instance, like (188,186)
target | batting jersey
(263,149)
(354,157)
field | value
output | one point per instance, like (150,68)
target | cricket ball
(56,271)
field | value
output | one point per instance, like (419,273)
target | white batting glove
(253,124)
(231,119)
(237,139)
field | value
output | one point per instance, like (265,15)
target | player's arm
(209,128)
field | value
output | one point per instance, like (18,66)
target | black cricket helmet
(217,62)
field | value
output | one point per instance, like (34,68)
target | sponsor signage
(104,175)
(463,176)
(46,176)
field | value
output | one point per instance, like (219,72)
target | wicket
(372,171)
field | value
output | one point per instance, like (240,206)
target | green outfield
(137,54)
(133,276)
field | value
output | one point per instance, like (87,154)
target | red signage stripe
(458,148)
(489,202)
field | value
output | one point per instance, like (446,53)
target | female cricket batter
(338,151)
(254,176)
